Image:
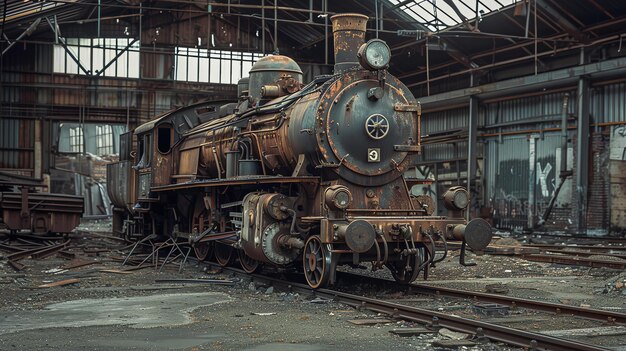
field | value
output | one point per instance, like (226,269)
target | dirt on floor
(105,308)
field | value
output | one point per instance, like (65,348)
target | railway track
(514,302)
(613,256)
(494,332)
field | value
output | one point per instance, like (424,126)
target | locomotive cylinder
(348,35)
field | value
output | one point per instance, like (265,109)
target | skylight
(437,15)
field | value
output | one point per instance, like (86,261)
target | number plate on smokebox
(373,155)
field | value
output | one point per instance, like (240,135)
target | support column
(38,155)
(582,156)
(532,179)
(472,150)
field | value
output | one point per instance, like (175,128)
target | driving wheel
(203,250)
(249,264)
(223,254)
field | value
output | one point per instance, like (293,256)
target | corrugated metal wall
(508,178)
(17,143)
(505,127)
(526,112)
(441,121)
(609,103)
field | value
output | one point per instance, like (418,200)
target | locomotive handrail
(236,181)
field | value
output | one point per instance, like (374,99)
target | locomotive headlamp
(374,55)
(456,198)
(338,197)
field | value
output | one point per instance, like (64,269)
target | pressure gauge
(374,55)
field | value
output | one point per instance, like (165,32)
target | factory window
(111,57)
(76,139)
(213,66)
(104,140)
(438,15)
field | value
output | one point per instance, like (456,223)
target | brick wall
(598,191)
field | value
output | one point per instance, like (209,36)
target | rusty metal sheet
(121,184)
(188,165)
(45,212)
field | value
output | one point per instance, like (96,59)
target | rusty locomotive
(294,176)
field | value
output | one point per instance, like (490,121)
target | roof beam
(563,22)
(455,54)
(452,52)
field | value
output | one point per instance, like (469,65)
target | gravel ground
(213,317)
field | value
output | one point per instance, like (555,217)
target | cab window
(164,139)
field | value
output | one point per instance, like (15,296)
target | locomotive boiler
(293,175)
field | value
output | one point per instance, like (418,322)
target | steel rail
(495,332)
(556,308)
(596,248)
(515,302)
(504,334)
(38,252)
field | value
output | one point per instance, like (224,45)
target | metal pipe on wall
(376,14)
(582,154)
(38,155)
(472,149)
(325,8)
(140,41)
(263,27)
(564,135)
(276,27)
(532,160)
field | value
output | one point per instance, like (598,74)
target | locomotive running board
(236,181)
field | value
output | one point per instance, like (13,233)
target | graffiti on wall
(510,201)
(543,181)
(617,176)
(511,197)
(618,143)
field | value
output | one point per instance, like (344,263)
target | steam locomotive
(295,176)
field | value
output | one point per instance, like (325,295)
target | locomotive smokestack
(348,35)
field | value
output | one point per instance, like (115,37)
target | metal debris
(196,281)
(405,332)
(60,283)
(491,309)
(371,321)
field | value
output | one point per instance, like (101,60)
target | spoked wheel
(316,262)
(223,254)
(406,270)
(203,251)
(249,264)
